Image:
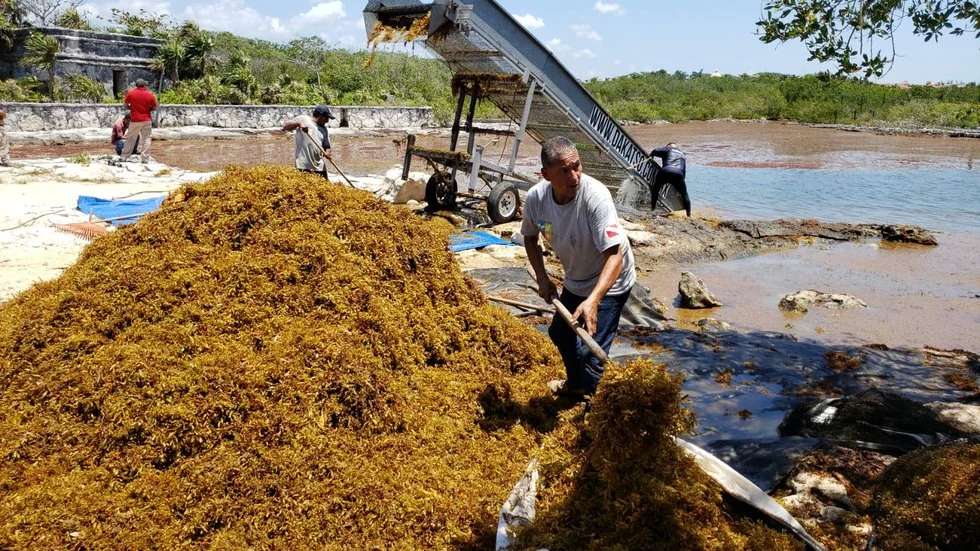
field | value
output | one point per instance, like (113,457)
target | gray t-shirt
(580,231)
(307,155)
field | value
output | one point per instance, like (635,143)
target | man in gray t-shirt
(311,138)
(576,214)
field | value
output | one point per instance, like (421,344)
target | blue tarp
(107,208)
(474,240)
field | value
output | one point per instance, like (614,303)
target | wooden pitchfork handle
(565,315)
(323,152)
(594,347)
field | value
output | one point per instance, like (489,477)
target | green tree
(41,52)
(200,50)
(169,57)
(79,87)
(71,19)
(143,23)
(239,74)
(11,17)
(859,35)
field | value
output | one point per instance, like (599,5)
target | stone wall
(114,60)
(37,117)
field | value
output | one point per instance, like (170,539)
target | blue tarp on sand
(474,240)
(133,209)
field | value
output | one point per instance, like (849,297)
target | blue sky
(594,38)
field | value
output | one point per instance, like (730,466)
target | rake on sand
(92,228)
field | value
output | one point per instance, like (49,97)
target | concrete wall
(107,58)
(35,117)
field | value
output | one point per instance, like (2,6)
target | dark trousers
(677,181)
(120,144)
(583,369)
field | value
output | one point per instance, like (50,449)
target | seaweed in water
(614,479)
(268,361)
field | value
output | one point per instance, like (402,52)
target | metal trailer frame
(503,183)
(479,37)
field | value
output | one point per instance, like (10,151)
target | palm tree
(169,56)
(42,53)
(239,73)
(200,48)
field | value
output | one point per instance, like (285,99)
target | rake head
(85,230)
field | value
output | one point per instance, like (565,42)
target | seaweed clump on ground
(268,361)
(930,499)
(615,479)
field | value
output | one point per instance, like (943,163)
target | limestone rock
(642,238)
(694,294)
(412,189)
(908,234)
(821,485)
(801,301)
(962,417)
(711,325)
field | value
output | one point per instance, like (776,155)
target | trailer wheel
(440,192)
(503,203)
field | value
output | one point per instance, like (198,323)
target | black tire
(504,203)
(440,192)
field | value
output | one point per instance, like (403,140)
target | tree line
(196,66)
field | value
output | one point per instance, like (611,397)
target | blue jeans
(120,144)
(582,368)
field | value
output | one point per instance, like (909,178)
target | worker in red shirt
(141,104)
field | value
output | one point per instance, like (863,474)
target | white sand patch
(37,194)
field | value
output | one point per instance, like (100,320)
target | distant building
(114,60)
(716,74)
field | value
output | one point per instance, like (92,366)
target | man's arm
(546,289)
(292,124)
(612,266)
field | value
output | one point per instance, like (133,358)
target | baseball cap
(323,111)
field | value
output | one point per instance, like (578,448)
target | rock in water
(801,301)
(694,294)
(964,417)
(908,234)
(711,325)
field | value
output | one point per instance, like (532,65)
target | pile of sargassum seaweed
(272,361)
(267,360)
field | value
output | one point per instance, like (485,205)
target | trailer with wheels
(499,185)
(494,58)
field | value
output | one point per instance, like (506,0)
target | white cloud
(609,7)
(236,17)
(530,21)
(584,53)
(323,12)
(586,32)
(555,45)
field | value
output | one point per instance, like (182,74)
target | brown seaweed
(929,500)
(614,479)
(269,361)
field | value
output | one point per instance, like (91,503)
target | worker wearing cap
(312,139)
(577,216)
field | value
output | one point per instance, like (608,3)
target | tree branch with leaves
(859,35)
